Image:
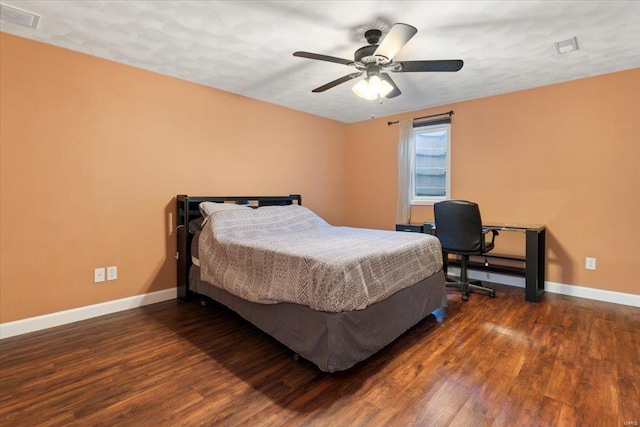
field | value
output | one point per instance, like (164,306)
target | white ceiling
(246,47)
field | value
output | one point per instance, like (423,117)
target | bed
(269,259)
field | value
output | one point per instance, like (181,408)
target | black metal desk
(534,253)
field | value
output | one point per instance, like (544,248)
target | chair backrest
(459,226)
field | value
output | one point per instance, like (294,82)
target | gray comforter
(289,254)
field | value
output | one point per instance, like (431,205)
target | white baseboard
(556,288)
(32,324)
(592,293)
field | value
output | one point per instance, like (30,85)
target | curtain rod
(448,113)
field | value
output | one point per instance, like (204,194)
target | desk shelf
(477,263)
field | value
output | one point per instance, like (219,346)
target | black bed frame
(187,210)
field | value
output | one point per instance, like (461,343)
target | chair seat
(487,247)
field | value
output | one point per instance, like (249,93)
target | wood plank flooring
(485,362)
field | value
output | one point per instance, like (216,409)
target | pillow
(195,225)
(209,208)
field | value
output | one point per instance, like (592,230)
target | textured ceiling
(246,47)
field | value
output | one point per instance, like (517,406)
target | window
(430,162)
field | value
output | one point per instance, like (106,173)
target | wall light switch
(590,264)
(112,273)
(98,275)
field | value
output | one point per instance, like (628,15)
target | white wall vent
(566,46)
(18,16)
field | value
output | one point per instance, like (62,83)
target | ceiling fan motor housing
(365,54)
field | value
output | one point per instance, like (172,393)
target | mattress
(288,254)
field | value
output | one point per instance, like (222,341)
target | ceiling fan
(376,60)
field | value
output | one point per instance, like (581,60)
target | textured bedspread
(288,253)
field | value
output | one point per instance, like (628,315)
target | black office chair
(459,228)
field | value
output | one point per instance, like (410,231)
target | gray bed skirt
(335,341)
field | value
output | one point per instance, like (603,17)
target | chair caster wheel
(492,295)
(465,297)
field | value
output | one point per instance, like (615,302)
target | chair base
(468,286)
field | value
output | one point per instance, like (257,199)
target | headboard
(187,209)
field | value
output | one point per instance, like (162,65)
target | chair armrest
(494,233)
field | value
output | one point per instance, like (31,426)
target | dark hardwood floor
(499,362)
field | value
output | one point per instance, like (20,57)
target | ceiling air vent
(17,16)
(566,46)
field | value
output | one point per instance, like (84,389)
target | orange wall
(93,153)
(565,155)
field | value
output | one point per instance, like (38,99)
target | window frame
(432,126)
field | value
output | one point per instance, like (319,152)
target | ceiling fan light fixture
(372,88)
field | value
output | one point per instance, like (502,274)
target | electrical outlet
(590,263)
(112,273)
(98,275)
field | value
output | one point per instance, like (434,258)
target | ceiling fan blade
(337,82)
(396,91)
(440,65)
(397,37)
(317,56)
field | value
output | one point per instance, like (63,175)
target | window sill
(429,202)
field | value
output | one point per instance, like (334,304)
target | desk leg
(535,265)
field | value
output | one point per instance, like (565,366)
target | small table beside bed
(333,295)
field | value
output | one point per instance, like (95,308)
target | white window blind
(430,162)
